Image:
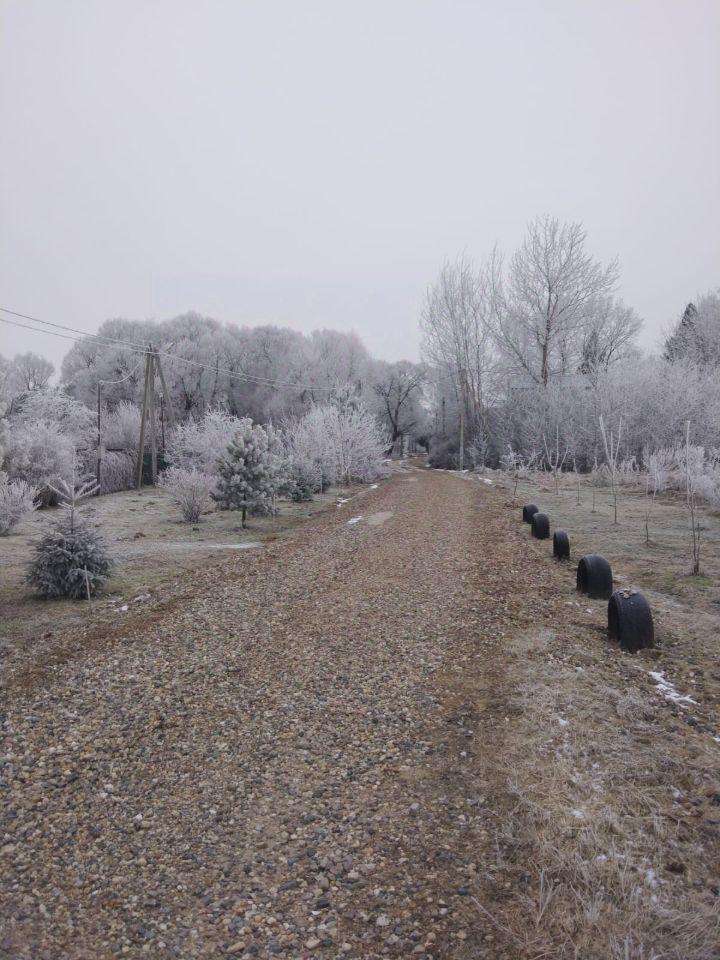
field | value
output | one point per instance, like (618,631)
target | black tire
(540,526)
(594,577)
(630,620)
(561,545)
(529,511)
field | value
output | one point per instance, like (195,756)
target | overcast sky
(312,164)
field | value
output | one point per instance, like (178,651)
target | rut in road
(297,760)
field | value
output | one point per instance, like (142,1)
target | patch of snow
(651,877)
(578,814)
(123,608)
(342,500)
(373,486)
(354,520)
(667,690)
(563,722)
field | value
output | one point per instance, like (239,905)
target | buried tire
(540,526)
(561,545)
(529,511)
(630,620)
(594,577)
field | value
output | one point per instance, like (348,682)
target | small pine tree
(250,473)
(71,560)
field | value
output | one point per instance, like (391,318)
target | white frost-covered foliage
(337,443)
(121,427)
(40,453)
(252,471)
(71,560)
(72,418)
(190,490)
(199,444)
(17,500)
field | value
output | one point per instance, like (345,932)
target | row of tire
(630,619)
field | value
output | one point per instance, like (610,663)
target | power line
(145,348)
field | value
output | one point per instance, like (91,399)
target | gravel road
(280,757)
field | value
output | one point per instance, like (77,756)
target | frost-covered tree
(251,472)
(29,372)
(544,307)
(40,453)
(696,336)
(71,560)
(199,444)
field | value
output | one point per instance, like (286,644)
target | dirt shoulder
(396,736)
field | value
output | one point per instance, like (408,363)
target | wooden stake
(143,416)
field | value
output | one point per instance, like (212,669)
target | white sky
(313,163)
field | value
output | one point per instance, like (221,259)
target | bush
(199,444)
(301,488)
(189,490)
(117,472)
(17,500)
(40,453)
(70,559)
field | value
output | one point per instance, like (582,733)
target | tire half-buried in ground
(561,545)
(529,511)
(540,526)
(630,620)
(594,577)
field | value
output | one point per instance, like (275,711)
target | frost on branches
(190,490)
(251,472)
(71,560)
(199,444)
(17,500)
(337,443)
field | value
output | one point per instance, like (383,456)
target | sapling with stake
(611,443)
(691,498)
(553,459)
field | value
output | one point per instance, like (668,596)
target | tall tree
(544,307)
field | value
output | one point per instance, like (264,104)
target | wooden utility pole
(99,448)
(153,422)
(143,418)
(152,366)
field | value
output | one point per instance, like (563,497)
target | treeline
(533,350)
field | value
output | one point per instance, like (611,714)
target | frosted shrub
(40,453)
(121,427)
(251,472)
(338,443)
(70,561)
(73,419)
(199,444)
(628,472)
(190,490)
(17,500)
(117,472)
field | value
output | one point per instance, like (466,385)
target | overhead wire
(147,348)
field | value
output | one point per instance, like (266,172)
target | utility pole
(461,457)
(153,423)
(143,418)
(443,418)
(99,450)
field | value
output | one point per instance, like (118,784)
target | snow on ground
(354,520)
(667,689)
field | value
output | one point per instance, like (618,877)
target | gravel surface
(399,737)
(261,764)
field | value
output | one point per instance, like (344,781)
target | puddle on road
(235,546)
(376,519)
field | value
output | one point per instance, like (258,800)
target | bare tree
(611,444)
(457,338)
(399,387)
(30,371)
(543,308)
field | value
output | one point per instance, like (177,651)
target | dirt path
(301,752)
